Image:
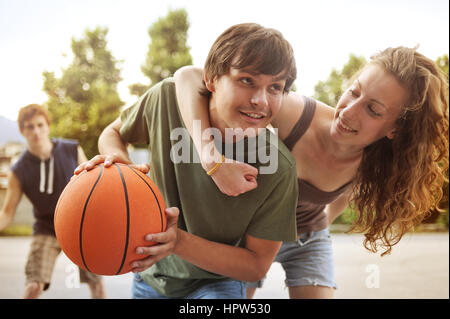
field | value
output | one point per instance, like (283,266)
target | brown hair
(249,44)
(26,113)
(400,180)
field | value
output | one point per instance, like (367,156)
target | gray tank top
(311,200)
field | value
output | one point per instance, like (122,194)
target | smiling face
(368,110)
(244,99)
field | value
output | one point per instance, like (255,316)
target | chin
(242,131)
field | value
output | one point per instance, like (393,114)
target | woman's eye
(353,92)
(372,110)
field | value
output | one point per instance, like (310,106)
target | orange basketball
(103,215)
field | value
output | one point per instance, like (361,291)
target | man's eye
(246,80)
(276,88)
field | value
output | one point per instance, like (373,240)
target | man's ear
(209,83)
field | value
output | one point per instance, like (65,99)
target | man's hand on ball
(166,243)
(107,161)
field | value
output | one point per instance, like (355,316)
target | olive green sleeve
(134,119)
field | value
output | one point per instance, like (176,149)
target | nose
(259,98)
(350,110)
(36,130)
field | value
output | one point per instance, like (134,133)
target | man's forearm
(110,142)
(11,201)
(234,262)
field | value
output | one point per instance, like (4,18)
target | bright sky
(35,35)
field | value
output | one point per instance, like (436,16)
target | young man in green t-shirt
(214,243)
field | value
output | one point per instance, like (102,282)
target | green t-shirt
(267,212)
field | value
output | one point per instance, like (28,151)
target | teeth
(253,115)
(347,127)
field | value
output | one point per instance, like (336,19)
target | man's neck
(42,150)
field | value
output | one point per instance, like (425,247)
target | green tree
(330,90)
(442,62)
(167,51)
(84,100)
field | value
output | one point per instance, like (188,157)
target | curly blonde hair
(400,180)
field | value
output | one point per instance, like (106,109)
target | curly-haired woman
(384,148)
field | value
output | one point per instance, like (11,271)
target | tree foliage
(330,90)
(84,100)
(442,62)
(168,50)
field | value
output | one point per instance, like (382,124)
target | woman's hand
(234,178)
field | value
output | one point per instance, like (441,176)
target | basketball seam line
(128,219)
(64,192)
(82,218)
(160,212)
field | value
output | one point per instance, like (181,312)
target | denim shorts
(306,262)
(224,289)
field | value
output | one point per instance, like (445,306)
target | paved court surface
(417,268)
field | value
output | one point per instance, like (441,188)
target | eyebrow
(282,77)
(373,100)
